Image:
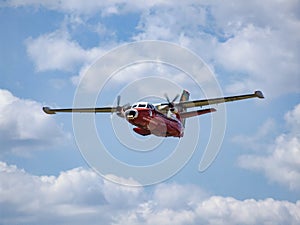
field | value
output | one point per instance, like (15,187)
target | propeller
(120,109)
(170,103)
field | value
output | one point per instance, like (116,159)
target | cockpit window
(142,105)
(150,106)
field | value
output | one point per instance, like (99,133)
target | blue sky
(47,47)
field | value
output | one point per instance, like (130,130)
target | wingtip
(48,110)
(259,94)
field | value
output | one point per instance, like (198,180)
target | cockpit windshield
(143,105)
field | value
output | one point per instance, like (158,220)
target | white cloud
(177,196)
(29,199)
(250,40)
(183,21)
(77,196)
(56,51)
(265,57)
(129,65)
(80,196)
(90,7)
(24,126)
(221,210)
(259,45)
(69,6)
(260,140)
(281,162)
(211,210)
(293,119)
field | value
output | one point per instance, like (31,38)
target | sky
(47,48)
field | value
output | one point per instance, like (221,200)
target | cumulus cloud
(29,199)
(265,58)
(281,161)
(80,196)
(171,22)
(250,39)
(250,43)
(77,196)
(70,6)
(292,119)
(91,7)
(259,45)
(260,139)
(131,63)
(24,126)
(56,51)
(218,210)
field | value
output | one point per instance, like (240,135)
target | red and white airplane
(162,119)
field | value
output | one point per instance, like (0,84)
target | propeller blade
(126,106)
(120,109)
(118,100)
(167,98)
(176,97)
(171,103)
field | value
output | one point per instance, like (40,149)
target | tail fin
(184,97)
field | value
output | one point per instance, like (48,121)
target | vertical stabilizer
(184,97)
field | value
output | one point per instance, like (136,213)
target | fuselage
(147,120)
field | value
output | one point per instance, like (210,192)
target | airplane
(165,119)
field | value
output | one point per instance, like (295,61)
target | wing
(81,110)
(212,101)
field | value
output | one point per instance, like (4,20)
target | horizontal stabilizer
(197,113)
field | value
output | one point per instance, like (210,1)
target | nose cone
(131,114)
